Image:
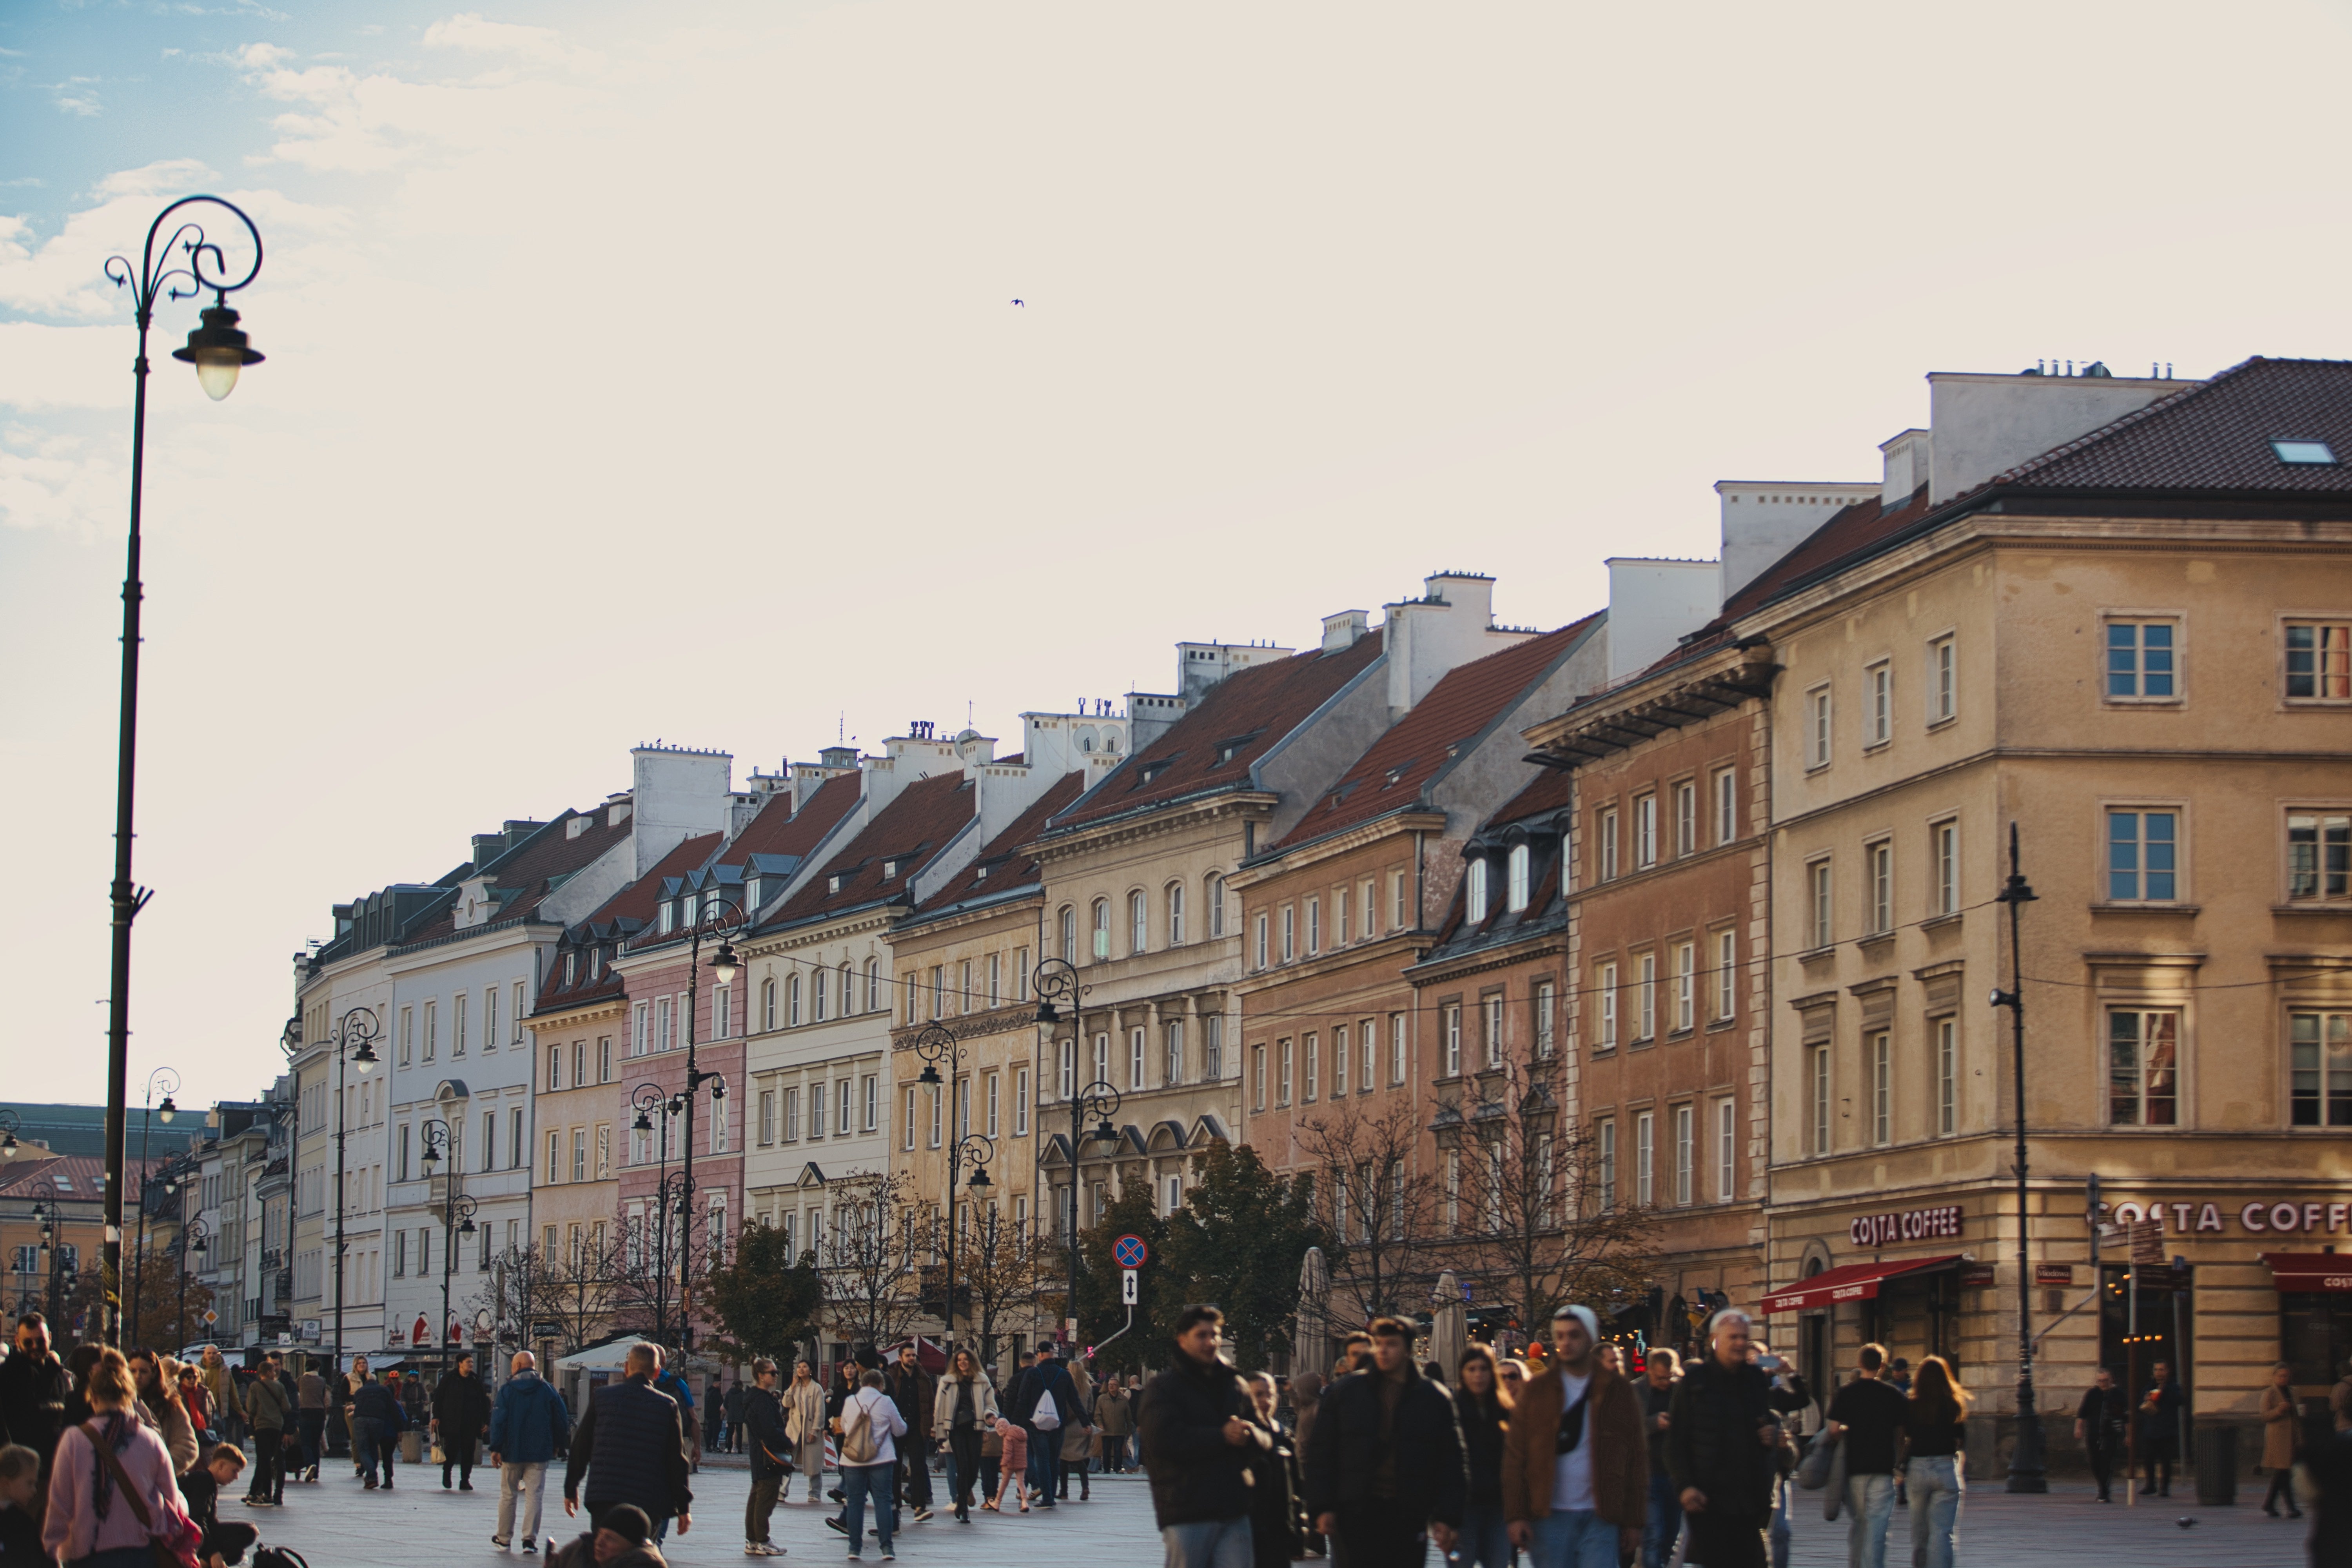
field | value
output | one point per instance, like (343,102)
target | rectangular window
(1288,1067)
(1339,1055)
(2140,661)
(791,1128)
(938,1116)
(578,1064)
(2143,1066)
(1944,838)
(457,1025)
(1686,1152)
(1312,1047)
(1213,1048)
(555,1068)
(2142,856)
(1369,1044)
(1605,858)
(1880,680)
(518,1149)
(1685,819)
(2320,1045)
(1397,905)
(816,1109)
(1257,1078)
(1396,1049)
(490,1141)
(1821,912)
(1817,1085)
(1547,1011)
(1450,1025)
(722,1011)
(1289,932)
(1817,734)
(554,1157)
(1259,941)
(1727,1148)
(1069,1069)
(1726,805)
(2319,661)
(1604,997)
(1686,982)
(1490,1030)
(1645,1147)
(2319,854)
(431,1028)
(1314,925)
(662,1023)
(1882,1088)
(1943,680)
(906,1132)
(1878,860)
(580,1153)
(1020,1103)
(1605,1141)
(1948,1075)
(489,1019)
(1726,973)
(1646,996)
(1172,1065)
(604,1059)
(408,1033)
(1342,919)
(1135,1042)
(767,1116)
(873,1104)
(1645,831)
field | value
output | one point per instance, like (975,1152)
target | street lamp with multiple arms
(353,1041)
(170,1082)
(458,1209)
(219,351)
(713,916)
(1057,980)
(936,1044)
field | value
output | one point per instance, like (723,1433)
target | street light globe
(724,965)
(167,1109)
(219,351)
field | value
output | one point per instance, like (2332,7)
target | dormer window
(1151,771)
(751,894)
(596,963)
(1515,885)
(832,883)
(1477,890)
(980,875)
(689,909)
(571,969)
(889,869)
(668,922)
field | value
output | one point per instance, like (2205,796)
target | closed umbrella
(1449,1322)
(1313,1344)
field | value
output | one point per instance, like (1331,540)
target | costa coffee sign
(1905,1224)
(2262,1216)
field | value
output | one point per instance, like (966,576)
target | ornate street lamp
(1057,980)
(354,1042)
(170,1082)
(2027,1471)
(219,351)
(937,1044)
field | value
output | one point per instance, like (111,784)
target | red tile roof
(778,830)
(1214,746)
(882,859)
(1000,863)
(526,871)
(1395,773)
(630,909)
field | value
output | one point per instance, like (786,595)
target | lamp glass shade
(217,371)
(167,1109)
(723,967)
(7,1146)
(219,351)
(979,1181)
(930,1075)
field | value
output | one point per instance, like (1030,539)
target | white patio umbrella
(1449,1323)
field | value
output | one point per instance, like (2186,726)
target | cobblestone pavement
(336,1524)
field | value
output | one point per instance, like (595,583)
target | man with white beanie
(1576,1480)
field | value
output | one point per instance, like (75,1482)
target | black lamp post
(353,1041)
(647,1099)
(219,351)
(1057,980)
(170,1082)
(937,1044)
(2027,1469)
(194,1237)
(458,1209)
(9,1122)
(713,915)
(44,1194)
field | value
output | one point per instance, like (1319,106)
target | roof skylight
(2314,454)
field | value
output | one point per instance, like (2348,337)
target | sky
(748,375)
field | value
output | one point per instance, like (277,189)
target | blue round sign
(1129,1251)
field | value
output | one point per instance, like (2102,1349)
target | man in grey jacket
(268,1412)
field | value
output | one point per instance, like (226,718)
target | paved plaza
(336,1524)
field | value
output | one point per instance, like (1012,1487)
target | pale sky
(652,371)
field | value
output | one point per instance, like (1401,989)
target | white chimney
(1451,623)
(1763,519)
(1340,631)
(1984,425)
(1907,459)
(1654,605)
(675,793)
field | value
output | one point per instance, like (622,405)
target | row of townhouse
(1685,910)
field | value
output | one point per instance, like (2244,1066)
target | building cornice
(1154,821)
(1415,816)
(1696,692)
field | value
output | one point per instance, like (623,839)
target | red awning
(2310,1271)
(1853,1282)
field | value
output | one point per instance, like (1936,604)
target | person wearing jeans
(1937,1407)
(1576,1464)
(377,1421)
(1656,1392)
(1868,1416)
(1198,1442)
(875,1480)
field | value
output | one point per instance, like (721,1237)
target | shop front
(1897,1281)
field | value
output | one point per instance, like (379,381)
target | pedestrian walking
(1723,1448)
(377,1421)
(1663,1525)
(1046,1402)
(271,1412)
(157,1378)
(911,1389)
(671,1382)
(633,1449)
(193,1401)
(221,1392)
(870,1428)
(461,1417)
(2159,1428)
(1012,1464)
(1198,1441)
(1386,1472)
(758,1425)
(1078,1436)
(2099,1427)
(804,1422)
(963,1412)
(1867,1415)
(625,1539)
(2281,1436)
(730,1436)
(1114,1416)
(1484,1410)
(1575,1469)
(310,1418)
(34,1389)
(1933,1432)
(531,1427)
(1273,1501)
(111,1493)
(347,1392)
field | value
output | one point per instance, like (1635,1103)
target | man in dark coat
(1198,1442)
(913,1391)
(377,1421)
(2099,1427)
(34,1389)
(731,1436)
(2160,1429)
(1385,1466)
(1723,1448)
(461,1415)
(1047,1392)
(633,1448)
(759,1429)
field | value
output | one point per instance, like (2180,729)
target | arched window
(873,984)
(1069,930)
(848,991)
(1477,889)
(1102,929)
(1110,742)
(1138,922)
(768,1002)
(1515,887)
(1215,899)
(1175,914)
(793,1001)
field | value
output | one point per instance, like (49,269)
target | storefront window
(2167,1301)
(2315,1333)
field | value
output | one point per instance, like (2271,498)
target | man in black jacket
(34,1388)
(461,1413)
(633,1448)
(1198,1442)
(1723,1446)
(913,1391)
(759,1422)
(1045,1403)
(1385,1469)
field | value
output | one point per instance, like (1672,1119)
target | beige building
(2114,615)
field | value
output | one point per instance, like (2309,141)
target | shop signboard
(1876,1230)
(2235,1215)
(2053,1274)
(1976,1275)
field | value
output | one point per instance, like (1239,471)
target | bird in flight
(1022,303)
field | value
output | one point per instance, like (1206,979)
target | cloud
(469,31)
(77,96)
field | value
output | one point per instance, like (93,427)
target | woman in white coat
(963,1414)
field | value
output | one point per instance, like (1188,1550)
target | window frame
(1821,719)
(1685,974)
(2288,623)
(2142,809)
(1725,787)
(1645,830)
(1607,865)
(1727,1148)
(1519,865)
(1944,1032)
(2142,1044)
(2177,653)
(1878,1046)
(1878,885)
(2321,814)
(1944,857)
(1726,974)
(1646,1158)
(1605,1020)
(1821,902)
(1821,1078)
(1943,680)
(2324,1097)
(1685,1153)
(1878,703)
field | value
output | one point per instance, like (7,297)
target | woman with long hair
(158,1380)
(111,1491)
(804,1419)
(1273,1504)
(1483,1408)
(2282,1437)
(961,1416)
(1933,1421)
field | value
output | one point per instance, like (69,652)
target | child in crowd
(20,1492)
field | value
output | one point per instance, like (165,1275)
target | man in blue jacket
(377,1421)
(1047,1401)
(530,1427)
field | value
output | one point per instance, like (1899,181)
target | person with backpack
(1045,1403)
(870,1428)
(529,1427)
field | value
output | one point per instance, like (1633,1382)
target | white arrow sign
(1126,1286)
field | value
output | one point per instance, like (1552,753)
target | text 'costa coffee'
(1909,1225)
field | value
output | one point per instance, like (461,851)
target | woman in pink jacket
(94,1520)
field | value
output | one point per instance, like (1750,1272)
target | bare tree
(867,1261)
(999,1264)
(1524,1196)
(581,1288)
(1373,1196)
